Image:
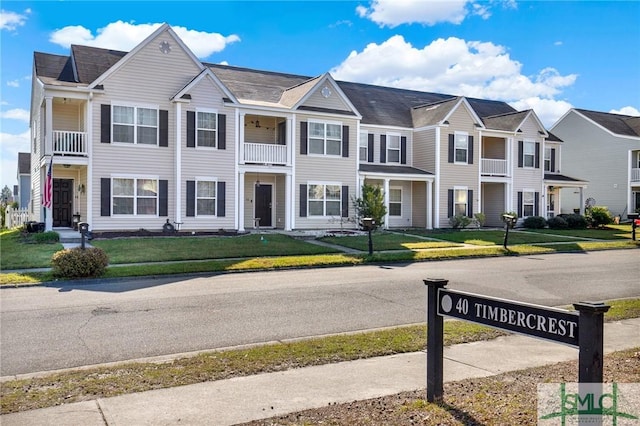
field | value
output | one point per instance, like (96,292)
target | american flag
(47,197)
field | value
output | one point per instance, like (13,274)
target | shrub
(48,237)
(79,263)
(599,216)
(459,221)
(557,222)
(576,221)
(535,222)
(480,218)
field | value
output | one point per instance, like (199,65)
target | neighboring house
(151,135)
(605,147)
(23,194)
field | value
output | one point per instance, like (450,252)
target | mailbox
(83,227)
(633,217)
(509,219)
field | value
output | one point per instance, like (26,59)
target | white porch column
(386,203)
(289,141)
(288,201)
(178,169)
(240,196)
(429,204)
(48,149)
(582,201)
(241,138)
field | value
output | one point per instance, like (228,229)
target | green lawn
(160,249)
(18,253)
(386,241)
(490,237)
(611,232)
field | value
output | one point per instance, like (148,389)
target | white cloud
(125,36)
(557,43)
(16,114)
(548,110)
(10,21)
(628,110)
(10,146)
(454,66)
(13,83)
(392,13)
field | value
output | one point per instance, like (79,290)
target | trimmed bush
(79,263)
(535,222)
(48,237)
(459,221)
(557,222)
(576,221)
(599,216)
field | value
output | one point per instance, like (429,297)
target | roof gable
(325,94)
(205,73)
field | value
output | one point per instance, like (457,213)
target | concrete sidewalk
(242,399)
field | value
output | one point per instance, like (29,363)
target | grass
(611,232)
(19,252)
(386,241)
(92,383)
(489,237)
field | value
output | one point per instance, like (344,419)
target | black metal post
(506,235)
(370,243)
(591,341)
(435,341)
(633,229)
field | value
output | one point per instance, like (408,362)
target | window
(135,125)
(528,203)
(206,123)
(205,198)
(393,148)
(324,200)
(364,146)
(325,138)
(135,196)
(395,202)
(529,154)
(461,147)
(460,201)
(547,159)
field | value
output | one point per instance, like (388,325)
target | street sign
(532,320)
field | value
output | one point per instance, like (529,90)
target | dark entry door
(62,202)
(263,204)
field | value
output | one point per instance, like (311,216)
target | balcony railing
(69,143)
(635,175)
(494,167)
(265,153)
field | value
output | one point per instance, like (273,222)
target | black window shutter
(470,203)
(536,204)
(452,147)
(222,199)
(370,148)
(553,160)
(520,153)
(105,123)
(519,204)
(191,129)
(191,198)
(163,198)
(222,131)
(403,150)
(383,148)
(164,128)
(470,151)
(450,202)
(345,141)
(303,138)
(537,155)
(345,201)
(303,200)
(105,197)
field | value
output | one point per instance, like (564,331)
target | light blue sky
(545,55)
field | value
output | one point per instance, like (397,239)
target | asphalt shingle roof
(619,124)
(392,169)
(24,163)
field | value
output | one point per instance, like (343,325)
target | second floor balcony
(265,153)
(72,143)
(494,167)
(635,175)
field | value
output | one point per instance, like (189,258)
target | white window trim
(215,199)
(324,141)
(549,150)
(135,196)
(399,149)
(464,189)
(364,158)
(456,135)
(210,111)
(524,154)
(135,124)
(324,206)
(533,204)
(399,188)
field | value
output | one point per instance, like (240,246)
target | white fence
(16,217)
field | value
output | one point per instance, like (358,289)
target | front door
(263,204)
(62,202)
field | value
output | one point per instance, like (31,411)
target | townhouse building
(136,139)
(606,147)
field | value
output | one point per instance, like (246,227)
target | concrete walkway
(242,399)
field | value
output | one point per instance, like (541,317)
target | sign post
(583,329)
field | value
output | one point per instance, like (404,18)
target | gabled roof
(433,113)
(24,163)
(624,125)
(293,95)
(206,72)
(50,68)
(553,138)
(91,62)
(509,122)
(562,179)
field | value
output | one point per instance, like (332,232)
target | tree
(371,204)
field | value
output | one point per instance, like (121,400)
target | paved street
(54,327)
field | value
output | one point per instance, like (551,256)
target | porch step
(69,236)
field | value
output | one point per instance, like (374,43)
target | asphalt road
(70,325)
